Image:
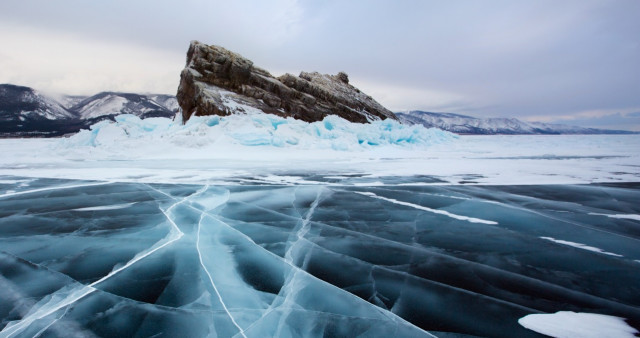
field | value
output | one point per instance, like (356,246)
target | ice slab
(257,129)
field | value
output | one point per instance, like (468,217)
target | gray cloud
(487,58)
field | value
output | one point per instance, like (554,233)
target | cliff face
(215,78)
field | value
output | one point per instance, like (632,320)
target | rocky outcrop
(216,81)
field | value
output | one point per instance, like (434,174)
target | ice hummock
(257,129)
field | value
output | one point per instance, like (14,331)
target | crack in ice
(592,298)
(83,291)
(53,188)
(297,270)
(435,211)
(542,200)
(304,227)
(224,306)
(581,246)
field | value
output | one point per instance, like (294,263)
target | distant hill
(462,124)
(25,112)
(107,105)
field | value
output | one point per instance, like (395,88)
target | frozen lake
(136,259)
(145,238)
(495,160)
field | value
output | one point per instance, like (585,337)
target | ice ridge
(256,129)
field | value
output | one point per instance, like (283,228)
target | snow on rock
(257,129)
(107,105)
(168,101)
(568,324)
(309,97)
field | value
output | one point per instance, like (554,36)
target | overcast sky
(575,62)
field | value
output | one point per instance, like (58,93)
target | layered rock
(216,81)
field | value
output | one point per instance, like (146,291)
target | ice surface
(187,257)
(567,324)
(254,260)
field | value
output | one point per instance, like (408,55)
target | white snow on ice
(619,216)
(267,147)
(567,324)
(105,207)
(435,211)
(581,246)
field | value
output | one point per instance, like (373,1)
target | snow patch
(578,324)
(619,216)
(581,246)
(108,105)
(106,207)
(435,211)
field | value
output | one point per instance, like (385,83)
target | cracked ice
(132,259)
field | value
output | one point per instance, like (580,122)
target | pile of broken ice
(257,130)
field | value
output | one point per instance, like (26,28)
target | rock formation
(215,80)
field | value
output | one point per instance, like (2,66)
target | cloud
(75,65)
(401,98)
(492,58)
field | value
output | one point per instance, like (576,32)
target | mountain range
(462,124)
(25,112)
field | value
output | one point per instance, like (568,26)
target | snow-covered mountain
(69,101)
(462,124)
(109,104)
(168,101)
(25,112)
(29,103)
